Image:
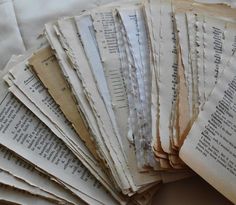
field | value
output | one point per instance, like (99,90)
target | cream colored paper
(45,65)
(213,41)
(153,12)
(77,90)
(229,46)
(17,196)
(133,21)
(39,96)
(109,134)
(21,169)
(36,155)
(181,22)
(26,172)
(168,75)
(210,146)
(10,180)
(85,30)
(200,58)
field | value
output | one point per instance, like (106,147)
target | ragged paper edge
(17,196)
(90,98)
(65,68)
(166,103)
(155,40)
(145,174)
(13,181)
(80,153)
(77,122)
(212,169)
(25,101)
(146,153)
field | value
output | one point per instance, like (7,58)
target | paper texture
(47,69)
(133,22)
(26,130)
(211,139)
(167,90)
(100,115)
(109,134)
(39,96)
(12,181)
(87,35)
(77,90)
(14,195)
(28,173)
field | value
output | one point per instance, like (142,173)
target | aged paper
(69,162)
(26,172)
(181,23)
(109,53)
(213,41)
(168,74)
(108,49)
(229,46)
(10,180)
(85,29)
(21,169)
(110,136)
(45,65)
(30,85)
(183,103)
(133,21)
(17,196)
(209,49)
(48,152)
(33,89)
(210,146)
(200,58)
(191,24)
(76,88)
(92,166)
(153,12)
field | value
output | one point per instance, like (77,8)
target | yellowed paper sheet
(17,196)
(211,146)
(45,65)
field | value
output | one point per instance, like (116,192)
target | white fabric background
(21,22)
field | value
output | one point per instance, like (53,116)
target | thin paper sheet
(37,155)
(10,180)
(138,45)
(85,30)
(17,196)
(210,146)
(26,172)
(168,67)
(46,67)
(77,90)
(152,11)
(109,134)
(39,96)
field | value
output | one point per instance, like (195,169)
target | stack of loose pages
(99,113)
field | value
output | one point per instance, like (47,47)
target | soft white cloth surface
(22,21)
